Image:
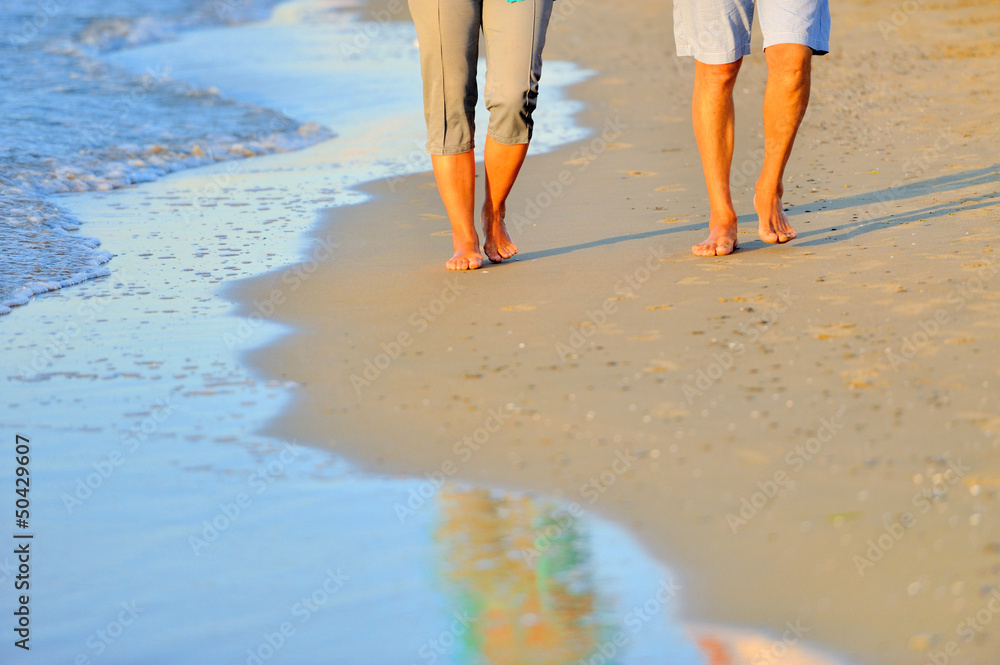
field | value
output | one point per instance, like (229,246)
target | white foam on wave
(76,124)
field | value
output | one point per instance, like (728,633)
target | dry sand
(855,367)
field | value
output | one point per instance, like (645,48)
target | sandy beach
(809,433)
(263,424)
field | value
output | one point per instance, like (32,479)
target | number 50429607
(22,482)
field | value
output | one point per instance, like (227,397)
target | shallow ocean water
(74,122)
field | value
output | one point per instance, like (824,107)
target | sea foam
(74,122)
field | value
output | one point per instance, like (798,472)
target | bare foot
(721,238)
(467,256)
(773,226)
(498,245)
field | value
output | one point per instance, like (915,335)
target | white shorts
(717,32)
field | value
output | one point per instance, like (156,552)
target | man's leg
(456,181)
(713,117)
(785,102)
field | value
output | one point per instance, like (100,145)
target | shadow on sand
(872,213)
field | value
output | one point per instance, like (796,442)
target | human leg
(785,102)
(448,33)
(514,36)
(713,117)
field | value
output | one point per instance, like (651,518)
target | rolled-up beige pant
(513,37)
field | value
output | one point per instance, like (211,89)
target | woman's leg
(514,36)
(448,32)
(503,162)
(456,181)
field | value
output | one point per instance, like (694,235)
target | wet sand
(809,434)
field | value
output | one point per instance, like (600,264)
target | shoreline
(798,558)
(113,129)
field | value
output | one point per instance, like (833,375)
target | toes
(464,263)
(497,253)
(785,236)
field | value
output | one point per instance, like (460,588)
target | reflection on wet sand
(538,582)
(519,570)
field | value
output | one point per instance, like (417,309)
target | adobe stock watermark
(967,630)
(372,30)
(7,569)
(57,343)
(302,611)
(899,16)
(97,136)
(893,531)
(777,650)
(562,521)
(932,326)
(634,280)
(596,486)
(130,442)
(290,281)
(582,158)
(795,460)
(463,449)
(278,125)
(702,381)
(29,26)
(562,10)
(419,321)
(99,640)
(230,512)
(941,483)
(609,650)
(225,9)
(437,646)
(915,166)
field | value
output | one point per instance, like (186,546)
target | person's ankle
(722,215)
(768,187)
